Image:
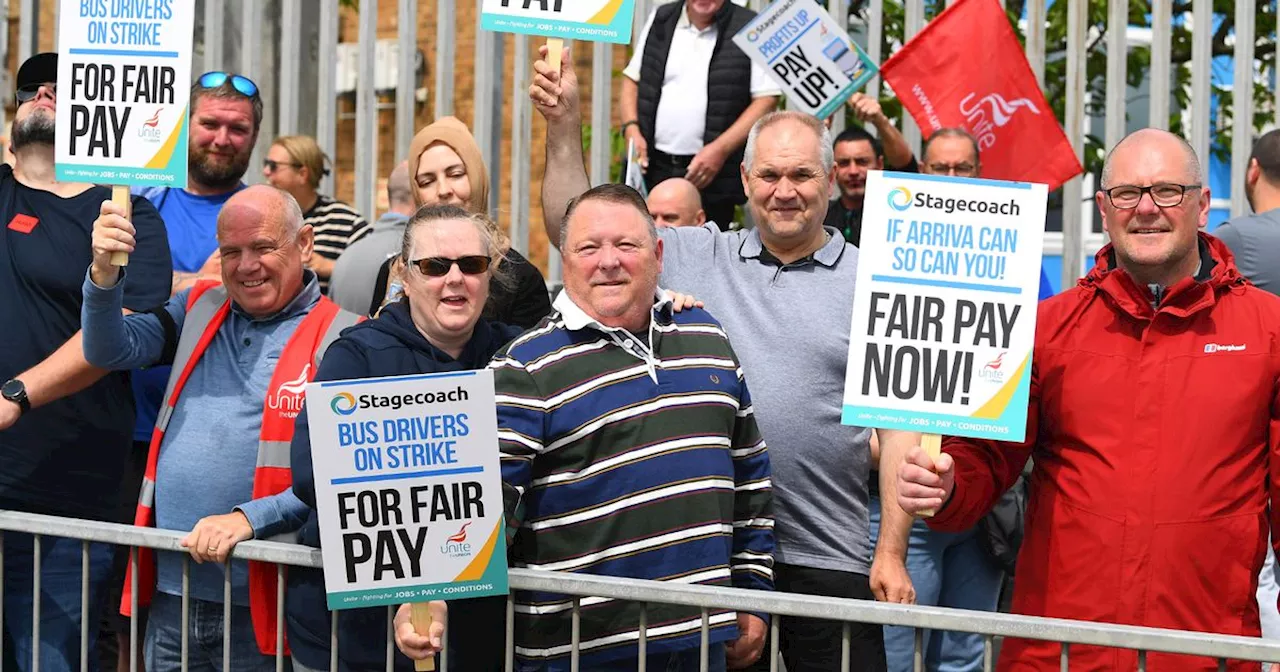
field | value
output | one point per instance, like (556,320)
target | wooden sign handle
(420,617)
(555,49)
(120,196)
(932,444)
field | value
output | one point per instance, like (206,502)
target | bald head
(261,202)
(400,190)
(1149,140)
(264,249)
(676,202)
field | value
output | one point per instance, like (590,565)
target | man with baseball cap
(65,427)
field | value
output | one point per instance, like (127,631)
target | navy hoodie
(389,345)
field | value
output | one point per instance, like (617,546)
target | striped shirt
(336,226)
(622,457)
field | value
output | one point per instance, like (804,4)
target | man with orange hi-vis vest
(242,352)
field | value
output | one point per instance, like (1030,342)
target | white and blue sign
(808,53)
(591,20)
(124,81)
(408,488)
(944,311)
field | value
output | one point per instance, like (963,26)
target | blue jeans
(678,661)
(59,599)
(204,643)
(947,570)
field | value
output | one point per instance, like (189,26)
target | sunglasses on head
(30,91)
(212,80)
(438,266)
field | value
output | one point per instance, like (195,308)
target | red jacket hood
(1218,273)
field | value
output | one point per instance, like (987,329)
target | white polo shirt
(682,110)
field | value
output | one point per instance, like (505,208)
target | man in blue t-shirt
(226,113)
(64,426)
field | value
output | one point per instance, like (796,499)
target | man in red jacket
(1154,422)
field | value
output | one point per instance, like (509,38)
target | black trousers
(813,645)
(663,166)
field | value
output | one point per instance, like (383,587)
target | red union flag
(967,69)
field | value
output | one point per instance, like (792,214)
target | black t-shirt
(849,222)
(67,457)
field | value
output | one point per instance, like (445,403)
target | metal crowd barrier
(990,625)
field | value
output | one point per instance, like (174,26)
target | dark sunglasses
(212,80)
(272,165)
(30,91)
(438,266)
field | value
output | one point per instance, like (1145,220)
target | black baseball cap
(39,69)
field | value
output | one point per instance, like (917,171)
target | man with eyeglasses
(954,152)
(64,425)
(1154,423)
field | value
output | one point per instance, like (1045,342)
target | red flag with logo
(967,69)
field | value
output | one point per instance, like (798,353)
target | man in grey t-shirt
(1255,241)
(785,295)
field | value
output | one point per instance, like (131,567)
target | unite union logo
(900,199)
(456,546)
(991,370)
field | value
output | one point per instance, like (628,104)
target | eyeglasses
(272,165)
(30,91)
(212,80)
(1163,194)
(948,169)
(438,266)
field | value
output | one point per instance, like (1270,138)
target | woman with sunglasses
(449,256)
(295,163)
(446,167)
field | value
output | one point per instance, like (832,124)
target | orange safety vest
(207,308)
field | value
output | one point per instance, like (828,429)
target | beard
(217,171)
(36,129)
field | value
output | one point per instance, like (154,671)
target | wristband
(625,124)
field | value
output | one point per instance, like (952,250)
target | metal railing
(990,625)
(241,35)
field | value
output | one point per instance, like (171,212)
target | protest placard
(124,70)
(408,488)
(124,74)
(944,309)
(808,53)
(560,20)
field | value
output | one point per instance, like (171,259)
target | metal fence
(293,52)
(707,598)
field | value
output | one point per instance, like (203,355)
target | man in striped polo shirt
(629,448)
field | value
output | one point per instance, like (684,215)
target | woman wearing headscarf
(446,167)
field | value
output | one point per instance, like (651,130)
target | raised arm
(555,95)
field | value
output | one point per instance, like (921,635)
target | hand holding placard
(421,617)
(120,196)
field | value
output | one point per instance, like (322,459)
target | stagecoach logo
(457,546)
(989,113)
(991,370)
(288,398)
(900,199)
